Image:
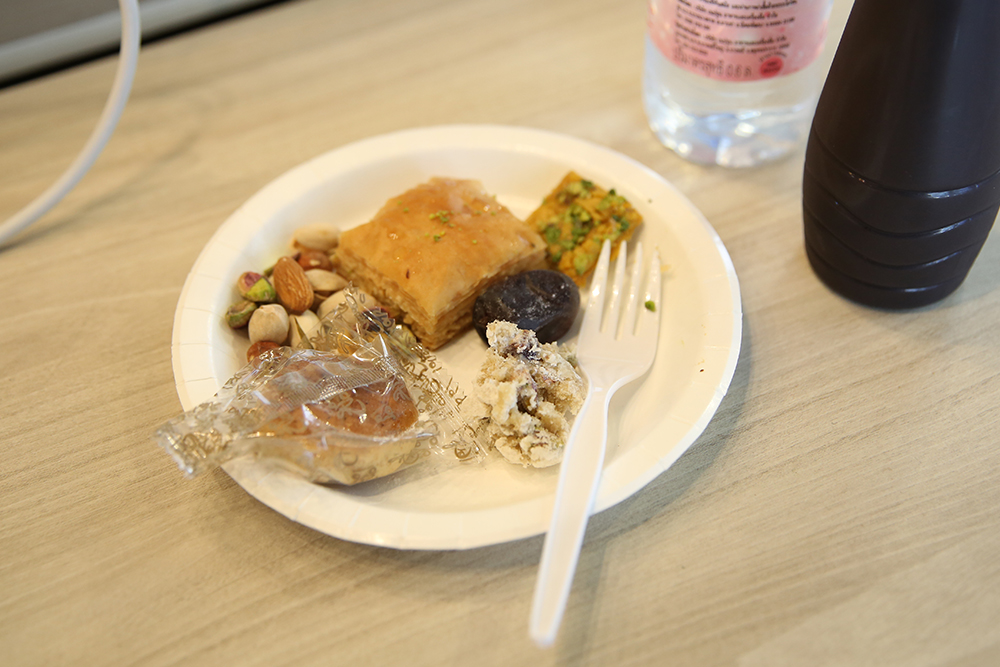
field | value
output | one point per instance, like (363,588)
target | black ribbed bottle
(902,173)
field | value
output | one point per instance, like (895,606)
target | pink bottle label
(739,40)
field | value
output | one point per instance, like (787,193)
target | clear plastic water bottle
(733,82)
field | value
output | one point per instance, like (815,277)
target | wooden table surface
(842,508)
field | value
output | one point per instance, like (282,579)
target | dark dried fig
(543,301)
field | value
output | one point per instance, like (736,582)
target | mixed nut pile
(286,302)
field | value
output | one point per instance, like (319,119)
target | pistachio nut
(320,236)
(330,304)
(238,314)
(300,327)
(255,287)
(325,281)
(269,323)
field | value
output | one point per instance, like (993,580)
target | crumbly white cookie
(527,390)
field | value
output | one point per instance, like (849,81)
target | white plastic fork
(612,352)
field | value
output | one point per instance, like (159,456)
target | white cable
(128,57)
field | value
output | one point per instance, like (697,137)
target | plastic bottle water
(733,82)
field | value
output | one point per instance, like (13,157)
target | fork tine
(649,320)
(592,316)
(628,320)
(611,321)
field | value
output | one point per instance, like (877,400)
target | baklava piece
(429,252)
(575,219)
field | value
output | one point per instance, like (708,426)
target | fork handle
(579,479)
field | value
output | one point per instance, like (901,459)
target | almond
(292,285)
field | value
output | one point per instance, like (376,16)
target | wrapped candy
(361,399)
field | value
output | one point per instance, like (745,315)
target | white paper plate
(653,421)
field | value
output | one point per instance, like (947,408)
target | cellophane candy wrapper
(359,400)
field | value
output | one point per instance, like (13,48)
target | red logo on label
(771,66)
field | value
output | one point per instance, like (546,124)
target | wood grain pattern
(841,508)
